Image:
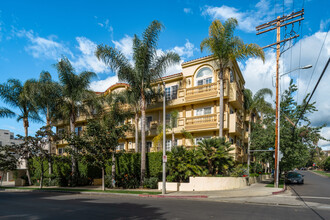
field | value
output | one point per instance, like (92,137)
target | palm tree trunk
(113,171)
(73,159)
(50,167)
(221,109)
(26,127)
(136,133)
(143,140)
(249,143)
(103,185)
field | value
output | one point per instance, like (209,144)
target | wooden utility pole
(272,25)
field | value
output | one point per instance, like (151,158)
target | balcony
(235,126)
(201,122)
(225,120)
(201,92)
(236,96)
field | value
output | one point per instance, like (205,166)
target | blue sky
(35,34)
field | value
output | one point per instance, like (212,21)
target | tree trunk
(143,140)
(103,185)
(249,143)
(3,174)
(50,166)
(221,109)
(26,129)
(113,171)
(136,133)
(42,174)
(73,159)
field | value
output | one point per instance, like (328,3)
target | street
(315,189)
(37,205)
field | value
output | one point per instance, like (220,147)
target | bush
(326,164)
(238,171)
(151,183)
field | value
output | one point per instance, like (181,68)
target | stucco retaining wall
(212,183)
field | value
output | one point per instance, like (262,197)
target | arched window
(204,76)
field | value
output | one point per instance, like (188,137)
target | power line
(326,66)
(317,60)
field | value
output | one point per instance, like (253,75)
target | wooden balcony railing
(201,122)
(201,89)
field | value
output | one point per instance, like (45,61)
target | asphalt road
(42,205)
(316,188)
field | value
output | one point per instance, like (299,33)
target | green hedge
(128,168)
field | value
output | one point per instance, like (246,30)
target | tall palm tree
(48,94)
(77,98)
(226,48)
(19,96)
(148,67)
(253,104)
(6,113)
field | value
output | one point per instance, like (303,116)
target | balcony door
(204,76)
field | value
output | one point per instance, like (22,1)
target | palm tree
(133,99)
(215,152)
(77,98)
(253,104)
(48,94)
(6,113)
(18,95)
(148,67)
(226,48)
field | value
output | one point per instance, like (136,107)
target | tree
(214,154)
(6,113)
(77,99)
(103,134)
(20,96)
(8,160)
(148,67)
(254,104)
(38,149)
(47,96)
(226,47)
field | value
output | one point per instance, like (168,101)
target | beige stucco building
(194,93)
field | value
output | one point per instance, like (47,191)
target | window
(121,147)
(78,130)
(11,136)
(203,111)
(0,143)
(199,139)
(148,121)
(231,76)
(60,151)
(169,121)
(171,92)
(231,140)
(168,144)
(6,133)
(149,145)
(60,132)
(231,111)
(204,76)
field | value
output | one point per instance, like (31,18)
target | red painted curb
(169,196)
(278,192)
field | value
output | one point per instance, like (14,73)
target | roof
(200,58)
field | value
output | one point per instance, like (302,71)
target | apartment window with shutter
(171,92)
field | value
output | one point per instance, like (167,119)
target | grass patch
(280,184)
(85,190)
(324,173)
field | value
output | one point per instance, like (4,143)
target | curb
(169,196)
(279,192)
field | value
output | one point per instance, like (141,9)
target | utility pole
(272,25)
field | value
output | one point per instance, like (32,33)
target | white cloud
(102,85)
(87,59)
(40,47)
(106,25)
(125,45)
(186,51)
(259,75)
(247,20)
(187,10)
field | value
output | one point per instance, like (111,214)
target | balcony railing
(201,92)
(202,121)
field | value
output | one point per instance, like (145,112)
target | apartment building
(8,138)
(194,93)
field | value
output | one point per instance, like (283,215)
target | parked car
(294,177)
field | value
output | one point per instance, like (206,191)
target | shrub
(238,171)
(326,164)
(151,183)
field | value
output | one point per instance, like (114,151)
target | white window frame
(168,144)
(205,79)
(171,93)
(199,139)
(201,111)
(120,146)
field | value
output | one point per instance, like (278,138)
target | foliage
(151,183)
(213,154)
(187,135)
(8,161)
(148,67)
(238,171)
(326,164)
(182,164)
